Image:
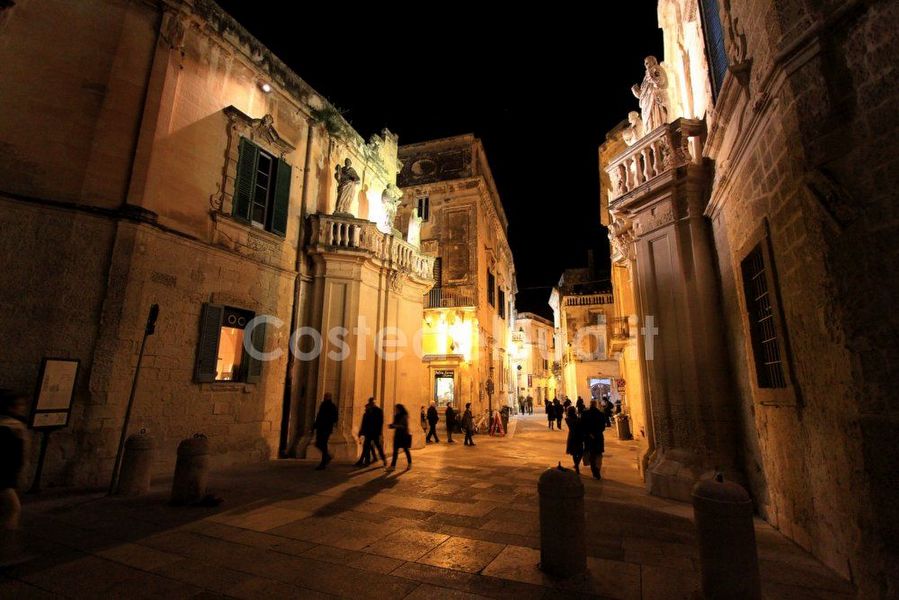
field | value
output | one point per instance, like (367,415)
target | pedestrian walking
(468,425)
(371,429)
(433,419)
(13,450)
(575,443)
(402,439)
(558,413)
(594,422)
(529,404)
(323,426)
(550,413)
(581,407)
(450,416)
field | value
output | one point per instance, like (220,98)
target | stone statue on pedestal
(413,236)
(347,178)
(634,132)
(653,95)
(390,198)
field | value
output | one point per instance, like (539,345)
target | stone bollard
(191,471)
(563,549)
(727,551)
(137,463)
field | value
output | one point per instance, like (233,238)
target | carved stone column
(687,378)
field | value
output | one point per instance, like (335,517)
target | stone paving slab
(462,523)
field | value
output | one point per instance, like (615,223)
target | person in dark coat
(468,425)
(433,419)
(550,412)
(558,413)
(323,426)
(450,416)
(565,406)
(581,407)
(13,450)
(371,429)
(402,439)
(575,444)
(594,422)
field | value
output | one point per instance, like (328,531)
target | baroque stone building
(533,350)
(451,200)
(751,206)
(164,156)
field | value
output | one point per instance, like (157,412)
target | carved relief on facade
(654,217)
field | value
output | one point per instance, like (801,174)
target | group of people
(372,428)
(585,429)
(526,405)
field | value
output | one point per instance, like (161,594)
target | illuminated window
(763,327)
(714,43)
(261,189)
(221,352)
(424,208)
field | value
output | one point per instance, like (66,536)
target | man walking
(323,426)
(468,425)
(371,429)
(433,419)
(594,422)
(450,416)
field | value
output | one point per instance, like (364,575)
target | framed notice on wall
(56,388)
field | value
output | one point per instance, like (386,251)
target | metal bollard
(137,463)
(727,551)
(191,471)
(563,549)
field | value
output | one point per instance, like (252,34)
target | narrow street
(462,523)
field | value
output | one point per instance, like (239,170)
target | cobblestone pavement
(462,523)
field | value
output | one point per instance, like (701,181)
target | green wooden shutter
(208,345)
(282,198)
(254,367)
(246,179)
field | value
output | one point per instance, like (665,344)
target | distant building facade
(749,204)
(533,349)
(166,157)
(449,196)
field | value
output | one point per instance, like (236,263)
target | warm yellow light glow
(449,331)
(266,88)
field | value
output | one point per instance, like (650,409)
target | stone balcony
(332,233)
(448,298)
(588,299)
(655,160)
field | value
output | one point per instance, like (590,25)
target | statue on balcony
(653,95)
(390,198)
(413,235)
(634,132)
(347,178)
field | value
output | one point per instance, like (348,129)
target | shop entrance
(444,387)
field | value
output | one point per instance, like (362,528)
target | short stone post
(191,471)
(563,549)
(137,464)
(728,556)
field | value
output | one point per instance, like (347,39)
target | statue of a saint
(634,132)
(347,178)
(390,198)
(653,95)
(413,236)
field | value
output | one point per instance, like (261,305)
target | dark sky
(540,87)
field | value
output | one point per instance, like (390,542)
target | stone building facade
(164,156)
(751,209)
(533,349)
(450,197)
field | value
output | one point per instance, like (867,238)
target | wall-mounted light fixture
(265,87)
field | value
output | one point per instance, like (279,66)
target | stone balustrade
(659,152)
(335,233)
(589,299)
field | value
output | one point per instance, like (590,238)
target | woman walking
(468,425)
(402,439)
(575,444)
(550,414)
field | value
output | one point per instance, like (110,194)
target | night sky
(540,88)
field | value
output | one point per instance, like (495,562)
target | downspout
(286,410)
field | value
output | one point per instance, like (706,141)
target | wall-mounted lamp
(265,87)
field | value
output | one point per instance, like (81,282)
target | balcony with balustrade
(348,235)
(662,157)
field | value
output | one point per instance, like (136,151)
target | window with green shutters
(262,188)
(221,354)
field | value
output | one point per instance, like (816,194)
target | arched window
(714,43)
